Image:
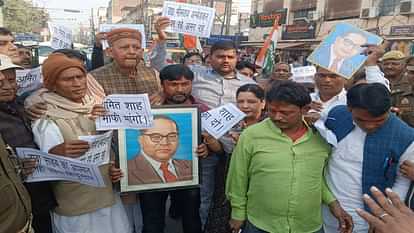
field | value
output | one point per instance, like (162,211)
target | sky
(72,4)
(55,9)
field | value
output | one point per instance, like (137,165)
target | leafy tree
(22,16)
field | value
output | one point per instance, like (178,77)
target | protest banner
(99,148)
(28,80)
(61,36)
(303,74)
(219,121)
(341,52)
(54,167)
(126,111)
(189,19)
(109,27)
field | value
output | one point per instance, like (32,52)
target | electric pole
(228,16)
(92,27)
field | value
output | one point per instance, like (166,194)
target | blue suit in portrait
(323,55)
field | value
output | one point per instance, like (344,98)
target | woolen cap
(55,64)
(121,33)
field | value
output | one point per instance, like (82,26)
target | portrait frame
(323,55)
(137,177)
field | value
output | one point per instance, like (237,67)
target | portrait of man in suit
(155,162)
(340,52)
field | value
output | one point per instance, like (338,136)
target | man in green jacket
(275,181)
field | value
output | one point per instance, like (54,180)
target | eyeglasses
(349,43)
(157,138)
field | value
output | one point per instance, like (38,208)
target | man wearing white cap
(16,132)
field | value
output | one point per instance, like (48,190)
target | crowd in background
(306,158)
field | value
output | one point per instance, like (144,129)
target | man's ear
(305,109)
(263,105)
(109,52)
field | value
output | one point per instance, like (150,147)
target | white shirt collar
(157,165)
(333,57)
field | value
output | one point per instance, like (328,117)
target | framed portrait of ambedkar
(163,156)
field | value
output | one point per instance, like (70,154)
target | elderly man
(16,210)
(67,117)
(275,180)
(127,74)
(15,130)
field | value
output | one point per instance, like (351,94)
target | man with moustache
(281,157)
(176,81)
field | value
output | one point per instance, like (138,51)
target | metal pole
(92,27)
(228,18)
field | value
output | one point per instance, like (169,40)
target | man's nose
(132,50)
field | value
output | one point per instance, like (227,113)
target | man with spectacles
(338,57)
(156,164)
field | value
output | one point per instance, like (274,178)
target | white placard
(62,36)
(303,74)
(109,27)
(28,80)
(54,167)
(126,112)
(99,148)
(219,121)
(189,19)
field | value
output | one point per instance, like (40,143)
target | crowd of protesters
(303,160)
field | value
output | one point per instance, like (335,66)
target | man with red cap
(128,74)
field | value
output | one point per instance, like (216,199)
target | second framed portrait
(161,157)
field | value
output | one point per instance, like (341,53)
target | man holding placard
(127,74)
(15,131)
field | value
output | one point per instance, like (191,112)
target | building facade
(306,22)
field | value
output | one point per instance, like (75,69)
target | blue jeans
(208,173)
(250,228)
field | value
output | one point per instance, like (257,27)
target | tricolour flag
(266,56)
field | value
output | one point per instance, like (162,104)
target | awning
(399,38)
(282,45)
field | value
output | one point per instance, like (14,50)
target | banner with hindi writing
(126,111)
(54,167)
(28,80)
(219,121)
(62,37)
(189,19)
